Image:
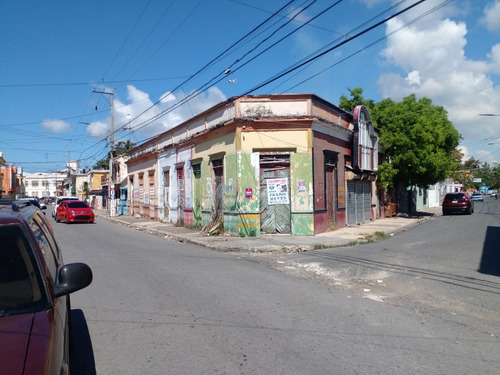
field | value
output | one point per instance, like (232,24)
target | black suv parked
(34,292)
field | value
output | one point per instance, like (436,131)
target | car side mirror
(71,278)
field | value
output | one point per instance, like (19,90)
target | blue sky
(153,54)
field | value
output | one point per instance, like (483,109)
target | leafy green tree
(121,149)
(418,141)
(102,164)
(356,99)
(495,181)
(487,173)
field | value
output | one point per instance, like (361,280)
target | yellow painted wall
(299,140)
(96,180)
(223,143)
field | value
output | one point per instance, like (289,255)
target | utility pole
(69,172)
(112,202)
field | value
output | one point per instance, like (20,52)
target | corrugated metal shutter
(358,202)
(351,203)
(367,201)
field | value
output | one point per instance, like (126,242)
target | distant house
(290,163)
(97,196)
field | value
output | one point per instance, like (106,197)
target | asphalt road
(448,267)
(159,307)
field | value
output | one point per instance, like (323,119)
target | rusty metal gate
(274,218)
(359,195)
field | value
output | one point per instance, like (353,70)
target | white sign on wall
(277,191)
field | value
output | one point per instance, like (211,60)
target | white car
(59,200)
(477,197)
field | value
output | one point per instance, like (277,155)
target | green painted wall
(197,220)
(242,193)
(301,175)
(241,196)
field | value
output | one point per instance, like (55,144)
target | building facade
(41,185)
(9,180)
(260,164)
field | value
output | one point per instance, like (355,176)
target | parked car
(34,202)
(73,211)
(457,203)
(59,200)
(477,197)
(34,293)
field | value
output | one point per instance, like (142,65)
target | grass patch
(320,246)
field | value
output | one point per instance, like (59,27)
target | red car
(34,293)
(457,203)
(74,211)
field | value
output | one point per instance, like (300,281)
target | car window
(59,200)
(453,197)
(20,279)
(47,229)
(77,205)
(49,253)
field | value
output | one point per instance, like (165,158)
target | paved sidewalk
(278,242)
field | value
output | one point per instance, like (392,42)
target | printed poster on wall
(277,191)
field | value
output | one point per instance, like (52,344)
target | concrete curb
(276,243)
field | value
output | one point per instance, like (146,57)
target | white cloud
(433,62)
(413,78)
(465,152)
(492,16)
(494,56)
(149,118)
(98,129)
(486,156)
(371,3)
(56,126)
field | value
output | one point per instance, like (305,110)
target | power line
(217,57)
(290,69)
(24,85)
(199,91)
(317,56)
(145,39)
(374,42)
(126,39)
(204,86)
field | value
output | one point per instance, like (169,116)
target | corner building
(290,163)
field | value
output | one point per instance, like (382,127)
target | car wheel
(57,219)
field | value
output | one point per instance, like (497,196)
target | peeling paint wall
(243,211)
(166,162)
(301,176)
(235,135)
